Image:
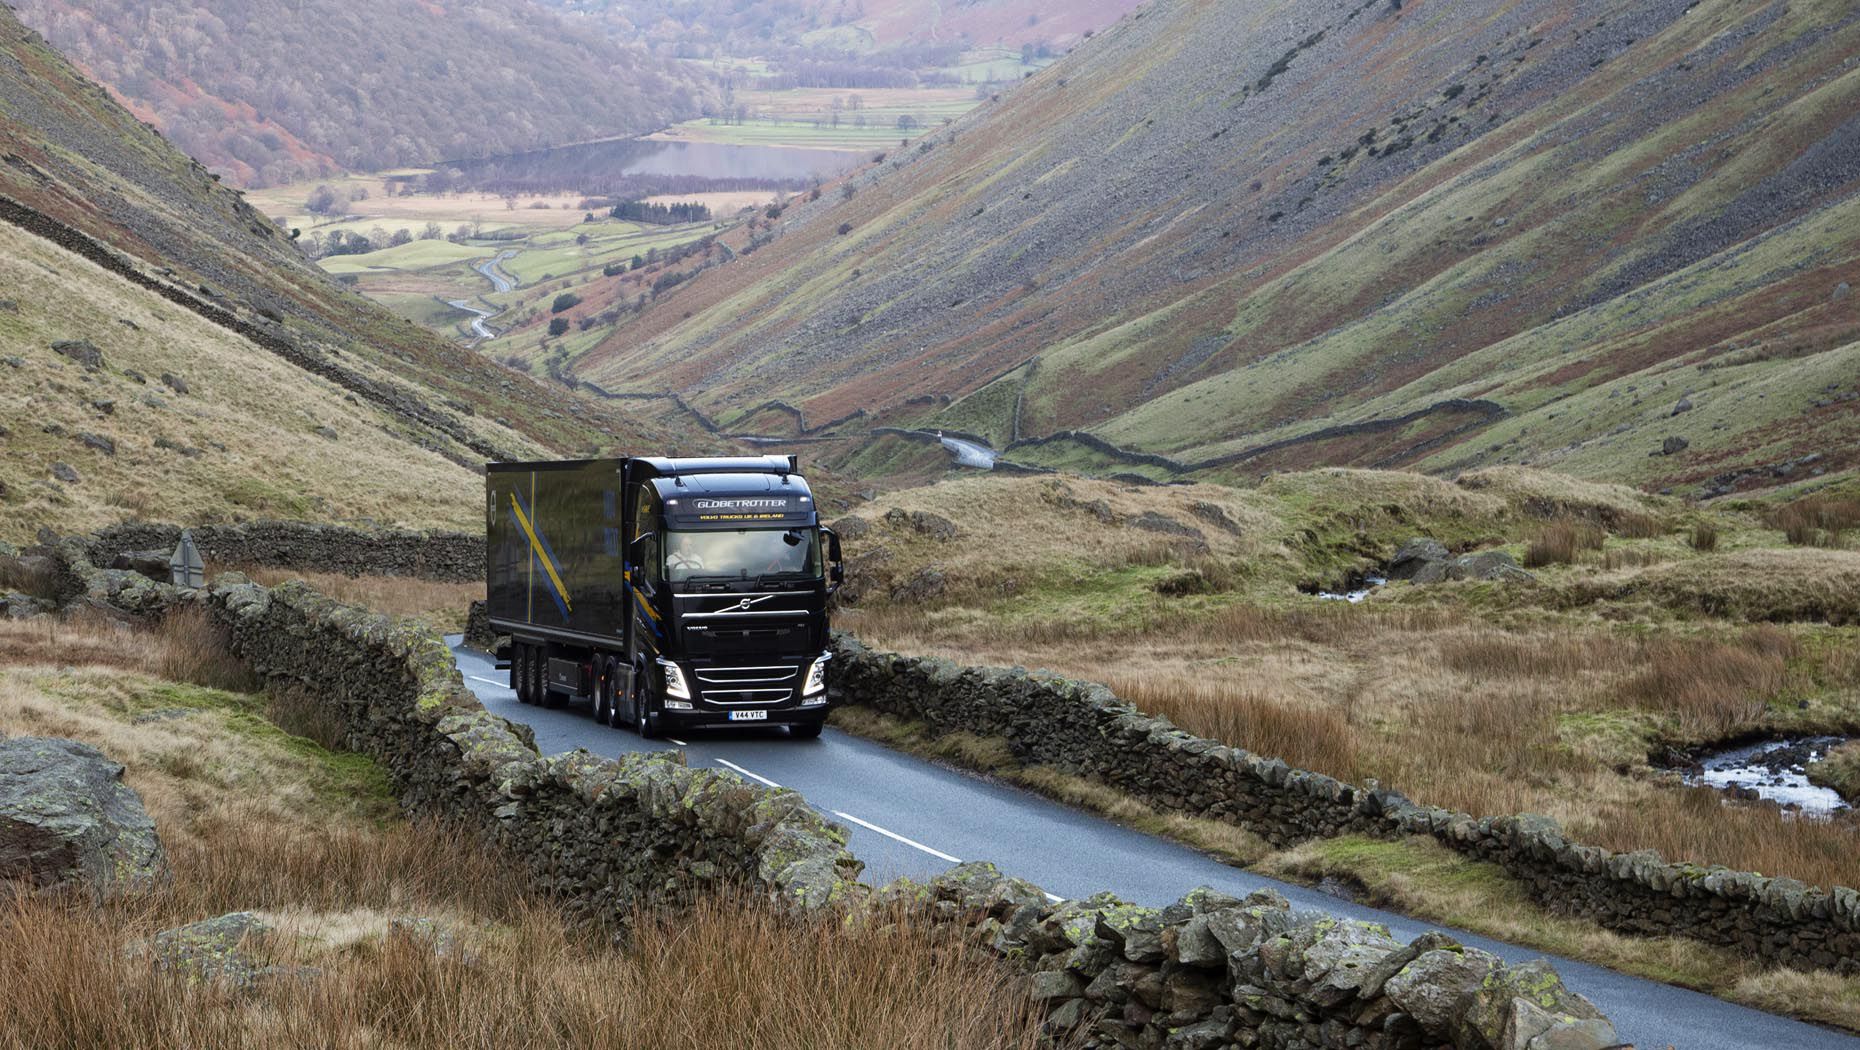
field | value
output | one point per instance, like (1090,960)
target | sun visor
(723,511)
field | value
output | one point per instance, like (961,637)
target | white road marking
(489,681)
(937,853)
(677,741)
(747,773)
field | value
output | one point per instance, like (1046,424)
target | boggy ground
(257,819)
(1562,696)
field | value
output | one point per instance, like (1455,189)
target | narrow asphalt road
(911,817)
(500,281)
(478,325)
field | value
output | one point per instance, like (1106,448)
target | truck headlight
(675,680)
(816,684)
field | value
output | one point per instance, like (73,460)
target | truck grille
(748,685)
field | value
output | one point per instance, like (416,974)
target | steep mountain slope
(265,91)
(121,246)
(1229,237)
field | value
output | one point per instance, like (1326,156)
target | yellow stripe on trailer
(542,556)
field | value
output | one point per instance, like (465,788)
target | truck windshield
(742,554)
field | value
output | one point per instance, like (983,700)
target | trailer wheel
(603,705)
(520,673)
(613,700)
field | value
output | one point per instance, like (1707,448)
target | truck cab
(734,572)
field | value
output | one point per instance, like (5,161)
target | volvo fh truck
(667,594)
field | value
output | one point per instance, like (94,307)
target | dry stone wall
(451,557)
(608,836)
(1084,729)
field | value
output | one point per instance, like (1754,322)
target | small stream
(1775,770)
(1364,589)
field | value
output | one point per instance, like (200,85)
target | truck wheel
(809,732)
(644,723)
(520,674)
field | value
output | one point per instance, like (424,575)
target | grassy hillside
(115,238)
(1565,694)
(1249,237)
(267,92)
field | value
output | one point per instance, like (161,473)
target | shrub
(565,301)
(845,228)
(558,326)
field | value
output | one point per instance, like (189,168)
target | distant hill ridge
(1223,226)
(266,91)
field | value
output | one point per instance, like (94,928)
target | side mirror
(836,569)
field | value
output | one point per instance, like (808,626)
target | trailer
(664,593)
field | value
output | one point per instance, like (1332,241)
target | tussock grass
(440,606)
(1455,711)
(1559,542)
(1816,521)
(1704,537)
(254,819)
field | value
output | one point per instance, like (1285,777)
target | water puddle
(1775,770)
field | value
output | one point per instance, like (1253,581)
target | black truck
(668,593)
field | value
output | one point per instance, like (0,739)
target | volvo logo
(748,602)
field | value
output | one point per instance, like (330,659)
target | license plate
(749,716)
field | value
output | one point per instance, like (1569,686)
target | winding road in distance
(912,817)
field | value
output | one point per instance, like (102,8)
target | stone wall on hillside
(451,557)
(605,837)
(1085,730)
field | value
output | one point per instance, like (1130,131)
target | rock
(104,405)
(1430,988)
(478,633)
(1488,565)
(135,377)
(14,362)
(67,821)
(174,382)
(1842,291)
(101,443)
(83,351)
(9,306)
(1684,405)
(1151,521)
(1483,565)
(934,526)
(1049,985)
(924,585)
(153,564)
(212,950)
(326,432)
(64,473)
(1515,1005)
(1673,446)
(852,528)
(1215,515)
(1415,555)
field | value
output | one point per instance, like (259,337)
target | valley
(1300,511)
